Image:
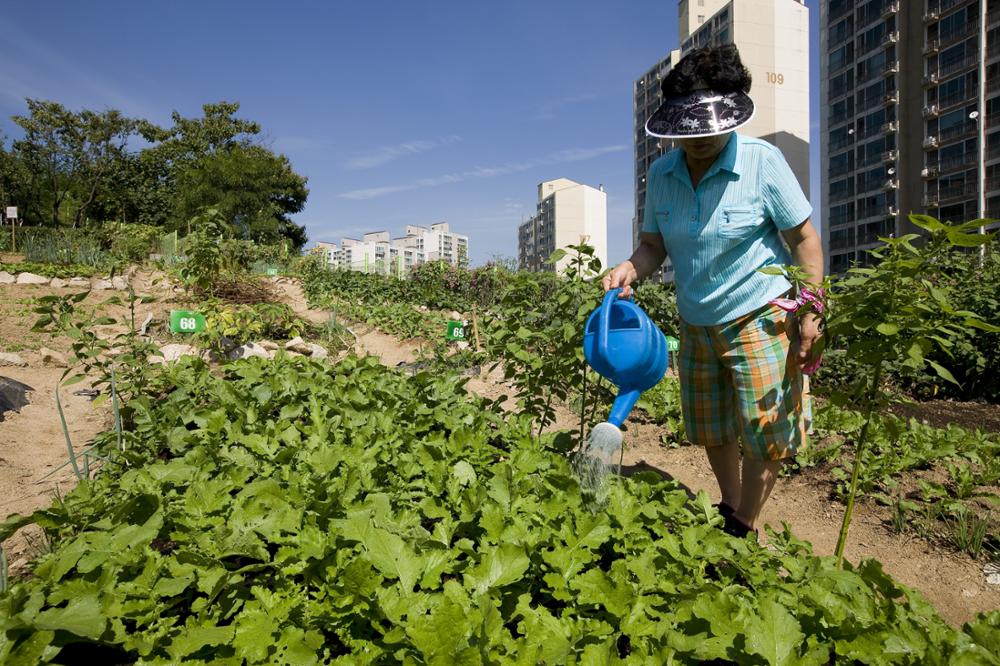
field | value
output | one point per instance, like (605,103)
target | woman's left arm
(807,252)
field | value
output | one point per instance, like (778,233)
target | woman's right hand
(621,276)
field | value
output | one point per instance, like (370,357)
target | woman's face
(705,148)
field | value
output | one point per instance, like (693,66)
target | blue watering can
(622,344)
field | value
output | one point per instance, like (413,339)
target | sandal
(733,526)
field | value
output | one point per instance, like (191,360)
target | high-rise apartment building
(376,253)
(773,39)
(911,121)
(567,212)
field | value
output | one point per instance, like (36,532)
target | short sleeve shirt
(719,234)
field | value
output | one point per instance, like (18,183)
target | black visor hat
(700,113)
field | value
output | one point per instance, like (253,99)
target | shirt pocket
(738,222)
(662,219)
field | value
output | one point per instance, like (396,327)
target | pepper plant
(891,311)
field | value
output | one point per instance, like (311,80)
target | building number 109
(774,77)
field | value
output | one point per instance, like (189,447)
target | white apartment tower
(773,39)
(567,212)
(376,253)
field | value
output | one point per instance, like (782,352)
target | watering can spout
(623,405)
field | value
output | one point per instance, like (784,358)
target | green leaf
(464,473)
(887,328)
(943,372)
(500,566)
(82,616)
(393,558)
(774,633)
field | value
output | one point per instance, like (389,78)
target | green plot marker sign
(673,344)
(455,331)
(185,321)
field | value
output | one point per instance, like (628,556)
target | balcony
(932,46)
(930,142)
(953,99)
(890,68)
(956,132)
(943,5)
(957,66)
(892,38)
(930,79)
(930,201)
(993,184)
(891,184)
(931,16)
(993,16)
(929,172)
(970,28)
(890,155)
(890,10)
(931,111)
(892,98)
(960,191)
(958,162)
(893,211)
(891,126)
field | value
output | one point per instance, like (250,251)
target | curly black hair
(718,67)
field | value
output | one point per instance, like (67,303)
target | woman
(720,206)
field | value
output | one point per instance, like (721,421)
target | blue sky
(397,112)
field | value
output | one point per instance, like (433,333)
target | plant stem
(859,451)
(69,442)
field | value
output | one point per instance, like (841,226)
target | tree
(69,156)
(254,190)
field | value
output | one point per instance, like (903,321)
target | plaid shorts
(740,381)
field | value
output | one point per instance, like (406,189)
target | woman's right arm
(647,258)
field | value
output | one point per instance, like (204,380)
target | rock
(119,283)
(58,283)
(9,358)
(268,345)
(52,358)
(7,278)
(454,315)
(315,351)
(155,359)
(295,342)
(172,352)
(102,285)
(992,571)
(461,344)
(79,283)
(300,346)
(248,350)
(31,278)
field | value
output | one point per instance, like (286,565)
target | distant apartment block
(911,122)
(375,252)
(773,39)
(567,212)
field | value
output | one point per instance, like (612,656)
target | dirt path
(953,583)
(33,447)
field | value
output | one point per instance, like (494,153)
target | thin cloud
(547,111)
(386,154)
(570,155)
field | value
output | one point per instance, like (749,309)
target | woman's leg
(725,462)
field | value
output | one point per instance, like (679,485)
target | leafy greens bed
(294,513)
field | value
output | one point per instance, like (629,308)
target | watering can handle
(602,336)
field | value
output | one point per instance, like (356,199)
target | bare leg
(725,462)
(758,481)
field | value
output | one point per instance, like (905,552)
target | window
(701,19)
(841,57)
(951,57)
(841,31)
(951,91)
(841,214)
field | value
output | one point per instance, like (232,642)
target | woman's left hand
(810,343)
